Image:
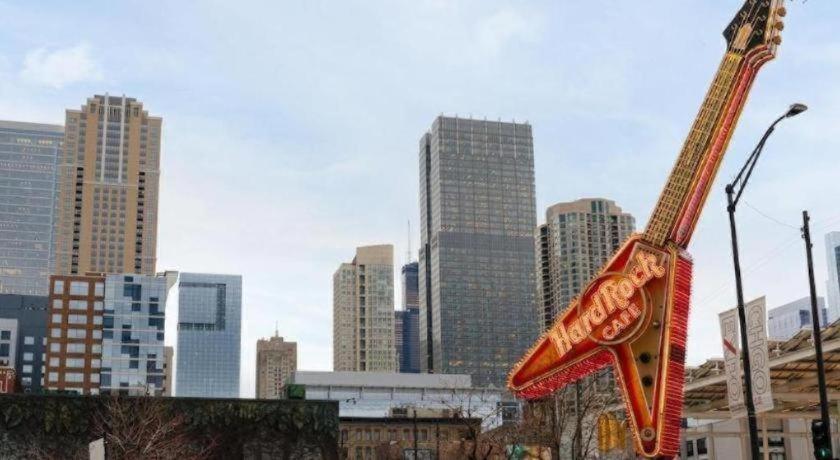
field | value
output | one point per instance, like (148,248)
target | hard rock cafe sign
(633,316)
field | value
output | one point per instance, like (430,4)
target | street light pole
(742,320)
(733,195)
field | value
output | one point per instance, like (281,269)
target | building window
(99,289)
(55,346)
(5,335)
(4,350)
(75,377)
(701,446)
(28,357)
(55,332)
(58,287)
(78,288)
(29,340)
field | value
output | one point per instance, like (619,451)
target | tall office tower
(29,313)
(74,345)
(410,289)
(578,238)
(407,344)
(398,338)
(476,273)
(832,258)
(209,322)
(363,312)
(276,360)
(407,325)
(28,157)
(785,321)
(133,357)
(108,175)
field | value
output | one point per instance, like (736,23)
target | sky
(291,129)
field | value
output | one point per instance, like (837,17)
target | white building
(832,259)
(378,394)
(785,321)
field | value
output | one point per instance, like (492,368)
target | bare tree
(143,428)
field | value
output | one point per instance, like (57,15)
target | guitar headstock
(758,23)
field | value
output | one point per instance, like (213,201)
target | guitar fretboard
(678,187)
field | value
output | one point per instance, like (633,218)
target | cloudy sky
(291,128)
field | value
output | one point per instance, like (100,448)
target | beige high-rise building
(108,176)
(363,312)
(578,238)
(276,360)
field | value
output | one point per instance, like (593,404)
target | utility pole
(817,331)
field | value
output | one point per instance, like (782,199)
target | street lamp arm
(741,179)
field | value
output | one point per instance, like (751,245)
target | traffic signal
(822,440)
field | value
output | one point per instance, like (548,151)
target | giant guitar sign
(633,315)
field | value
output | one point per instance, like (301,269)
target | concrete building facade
(207,356)
(276,361)
(29,313)
(578,238)
(383,394)
(29,155)
(108,176)
(363,312)
(476,269)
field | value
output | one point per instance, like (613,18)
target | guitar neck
(684,174)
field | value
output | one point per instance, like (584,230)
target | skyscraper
(832,257)
(209,321)
(28,157)
(363,311)
(407,343)
(476,273)
(108,175)
(578,238)
(133,357)
(406,322)
(276,360)
(410,289)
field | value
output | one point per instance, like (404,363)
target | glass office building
(209,317)
(133,360)
(477,285)
(28,157)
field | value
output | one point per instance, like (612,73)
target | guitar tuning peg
(777,40)
(781,11)
(779,25)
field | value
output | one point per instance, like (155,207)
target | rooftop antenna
(408,251)
(276,330)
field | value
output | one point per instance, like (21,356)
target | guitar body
(634,317)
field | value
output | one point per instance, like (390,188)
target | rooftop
(382,379)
